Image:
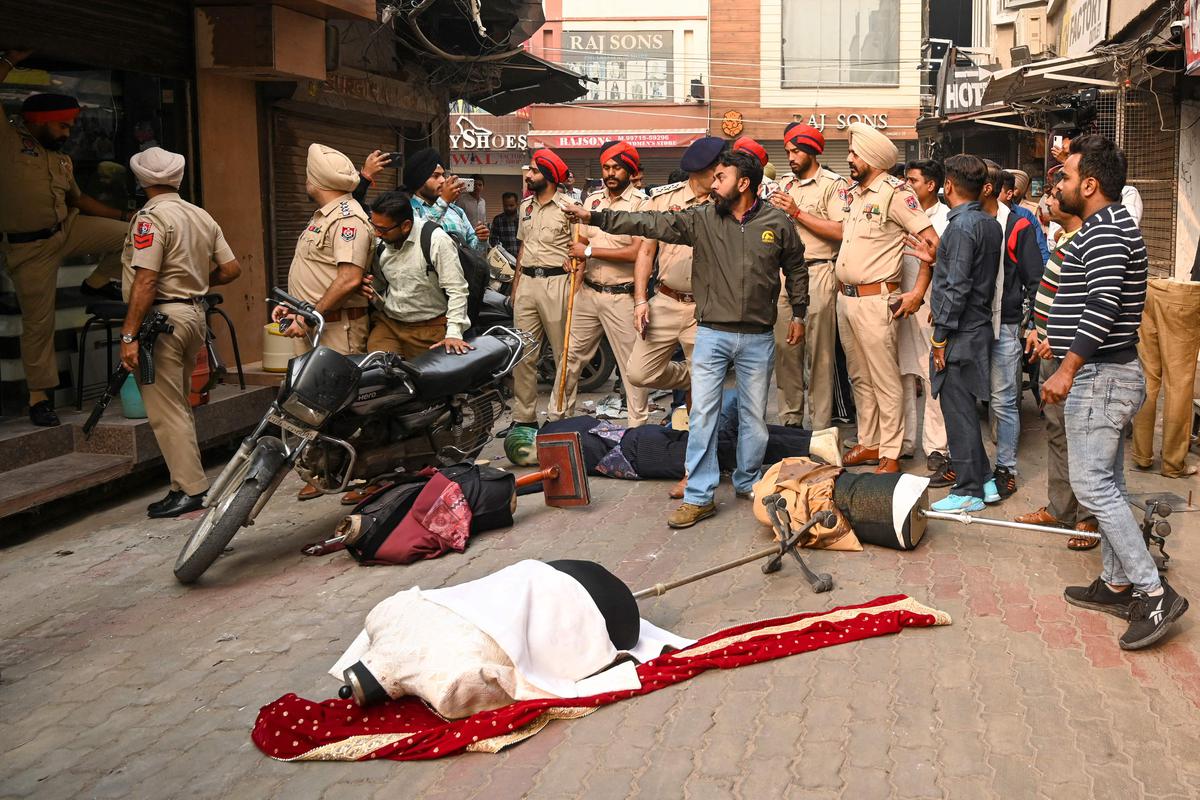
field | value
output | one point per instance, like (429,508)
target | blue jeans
(1006,393)
(1102,401)
(752,356)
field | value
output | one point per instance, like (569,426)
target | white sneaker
(826,445)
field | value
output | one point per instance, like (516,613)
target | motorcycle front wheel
(216,529)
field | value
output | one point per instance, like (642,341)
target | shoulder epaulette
(831,174)
(669,187)
(895,182)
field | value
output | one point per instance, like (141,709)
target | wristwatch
(128,338)
(587,251)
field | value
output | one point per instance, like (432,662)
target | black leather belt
(190,300)
(616,288)
(808,262)
(543,272)
(33,236)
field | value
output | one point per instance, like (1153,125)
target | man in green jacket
(740,245)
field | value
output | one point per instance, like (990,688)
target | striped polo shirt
(1049,285)
(1101,290)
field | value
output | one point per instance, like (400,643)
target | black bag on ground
(474,266)
(379,515)
(489,492)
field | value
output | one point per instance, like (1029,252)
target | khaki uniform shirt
(35,183)
(544,232)
(674,260)
(824,195)
(599,270)
(179,241)
(338,233)
(873,236)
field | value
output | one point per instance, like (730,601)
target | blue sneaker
(990,493)
(955,503)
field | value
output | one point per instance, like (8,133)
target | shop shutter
(154,38)
(1150,139)
(834,158)
(291,135)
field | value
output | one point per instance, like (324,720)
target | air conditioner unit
(1031,29)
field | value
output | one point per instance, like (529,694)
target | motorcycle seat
(440,374)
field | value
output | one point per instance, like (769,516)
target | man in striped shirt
(1062,508)
(1093,328)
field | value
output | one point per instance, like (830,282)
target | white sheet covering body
(525,632)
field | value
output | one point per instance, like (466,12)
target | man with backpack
(418,283)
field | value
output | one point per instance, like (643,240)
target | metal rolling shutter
(291,135)
(154,38)
(834,158)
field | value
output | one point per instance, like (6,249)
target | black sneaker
(42,414)
(940,480)
(1098,597)
(1150,618)
(936,462)
(1006,482)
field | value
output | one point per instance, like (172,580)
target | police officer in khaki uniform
(173,253)
(45,218)
(333,254)
(814,197)
(604,306)
(541,285)
(668,319)
(881,211)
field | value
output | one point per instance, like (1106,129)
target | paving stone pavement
(117,682)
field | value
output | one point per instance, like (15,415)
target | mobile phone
(395,158)
(1058,142)
(894,304)
(468,184)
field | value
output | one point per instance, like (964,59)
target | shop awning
(527,79)
(592,139)
(1046,78)
(998,116)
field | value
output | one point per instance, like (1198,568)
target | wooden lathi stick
(566,351)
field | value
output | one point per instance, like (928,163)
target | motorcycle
(359,417)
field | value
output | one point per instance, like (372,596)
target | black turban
(420,166)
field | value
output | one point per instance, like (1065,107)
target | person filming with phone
(434,193)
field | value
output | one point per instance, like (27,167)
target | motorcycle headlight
(304,412)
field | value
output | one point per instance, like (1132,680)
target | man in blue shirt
(433,194)
(961,300)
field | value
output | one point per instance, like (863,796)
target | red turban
(623,153)
(748,145)
(49,107)
(550,165)
(805,137)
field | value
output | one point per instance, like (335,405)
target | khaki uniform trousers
(933,430)
(869,339)
(671,324)
(1168,341)
(596,315)
(540,309)
(346,336)
(810,365)
(166,399)
(33,268)
(409,339)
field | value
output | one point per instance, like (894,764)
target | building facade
(829,64)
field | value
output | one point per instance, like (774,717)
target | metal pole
(967,519)
(659,589)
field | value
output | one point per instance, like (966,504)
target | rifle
(153,324)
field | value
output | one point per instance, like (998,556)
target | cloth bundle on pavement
(808,488)
(295,729)
(530,630)
(430,516)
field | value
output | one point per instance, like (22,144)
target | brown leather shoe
(689,514)
(677,490)
(887,466)
(1084,542)
(1040,517)
(309,492)
(859,455)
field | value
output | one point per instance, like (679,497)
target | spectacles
(381,229)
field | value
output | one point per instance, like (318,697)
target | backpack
(474,266)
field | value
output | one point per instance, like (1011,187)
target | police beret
(50,107)
(420,166)
(701,154)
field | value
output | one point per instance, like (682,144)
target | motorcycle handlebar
(305,311)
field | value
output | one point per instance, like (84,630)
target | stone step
(55,478)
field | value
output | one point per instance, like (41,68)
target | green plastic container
(131,400)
